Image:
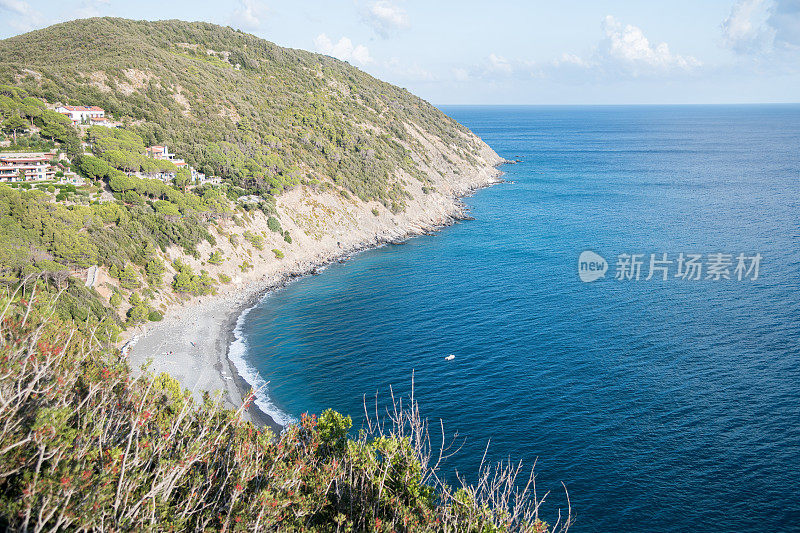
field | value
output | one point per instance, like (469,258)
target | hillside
(265,117)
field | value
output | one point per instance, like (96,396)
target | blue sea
(663,405)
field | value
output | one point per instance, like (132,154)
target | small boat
(450,357)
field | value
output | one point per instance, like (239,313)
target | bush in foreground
(84,445)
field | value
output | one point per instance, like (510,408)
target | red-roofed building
(101,121)
(81,114)
(27,166)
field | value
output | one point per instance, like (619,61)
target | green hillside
(235,105)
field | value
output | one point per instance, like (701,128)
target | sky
(504,52)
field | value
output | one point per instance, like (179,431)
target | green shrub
(187,281)
(256,240)
(274,225)
(115,299)
(278,253)
(287,237)
(155,316)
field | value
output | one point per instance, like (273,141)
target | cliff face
(326,225)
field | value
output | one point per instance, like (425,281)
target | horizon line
(621,105)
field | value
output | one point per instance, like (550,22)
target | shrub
(216,257)
(274,225)
(115,299)
(129,278)
(187,281)
(287,237)
(138,311)
(155,316)
(256,240)
(278,253)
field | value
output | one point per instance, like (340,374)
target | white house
(81,114)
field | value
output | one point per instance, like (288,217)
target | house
(159,152)
(102,121)
(81,114)
(163,153)
(202,179)
(34,166)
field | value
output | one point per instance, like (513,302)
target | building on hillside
(27,166)
(81,114)
(163,153)
(103,121)
(159,152)
(202,179)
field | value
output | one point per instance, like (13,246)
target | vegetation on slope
(84,445)
(235,105)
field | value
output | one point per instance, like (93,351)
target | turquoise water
(663,405)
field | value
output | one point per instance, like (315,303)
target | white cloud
(785,20)
(745,30)
(571,60)
(622,52)
(499,64)
(92,8)
(18,7)
(23,17)
(461,74)
(408,72)
(249,15)
(386,18)
(763,27)
(626,47)
(343,49)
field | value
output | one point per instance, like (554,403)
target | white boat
(450,357)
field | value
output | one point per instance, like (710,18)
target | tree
(182,178)
(94,168)
(13,124)
(54,125)
(139,310)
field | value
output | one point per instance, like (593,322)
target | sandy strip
(191,344)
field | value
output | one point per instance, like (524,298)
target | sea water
(663,405)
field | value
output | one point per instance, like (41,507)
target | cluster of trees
(20,112)
(86,446)
(125,150)
(187,281)
(39,236)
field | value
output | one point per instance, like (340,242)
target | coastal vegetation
(84,445)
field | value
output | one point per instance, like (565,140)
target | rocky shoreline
(193,342)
